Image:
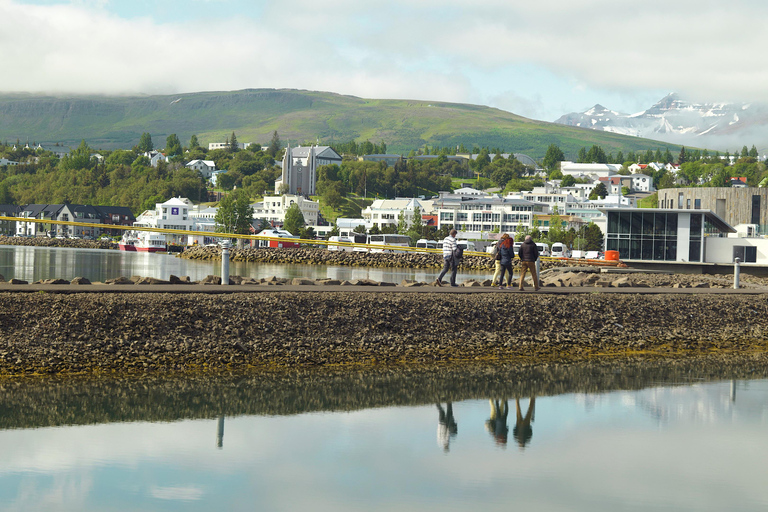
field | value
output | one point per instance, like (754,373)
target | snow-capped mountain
(674,120)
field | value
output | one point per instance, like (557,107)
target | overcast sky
(539,59)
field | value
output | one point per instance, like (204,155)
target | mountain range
(110,122)
(717,126)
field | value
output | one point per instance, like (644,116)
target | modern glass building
(654,234)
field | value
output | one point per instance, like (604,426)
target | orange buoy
(612,255)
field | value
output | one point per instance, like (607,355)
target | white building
(642,183)
(589,170)
(5,162)
(172,214)
(225,145)
(386,212)
(273,208)
(155,157)
(204,167)
(475,216)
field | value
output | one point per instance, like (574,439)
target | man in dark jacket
(528,254)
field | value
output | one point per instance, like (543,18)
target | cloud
(419,49)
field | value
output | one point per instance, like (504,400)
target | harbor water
(35,263)
(376,443)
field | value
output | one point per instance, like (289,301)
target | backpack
(458,253)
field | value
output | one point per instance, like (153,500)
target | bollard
(736,273)
(224,261)
(538,269)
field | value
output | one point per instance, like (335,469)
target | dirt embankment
(102,332)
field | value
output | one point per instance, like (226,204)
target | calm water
(36,263)
(584,440)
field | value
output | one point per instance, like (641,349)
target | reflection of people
(523,431)
(497,423)
(528,253)
(446,426)
(449,261)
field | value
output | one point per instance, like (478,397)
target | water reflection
(630,437)
(497,423)
(446,426)
(37,263)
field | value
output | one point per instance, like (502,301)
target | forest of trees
(126,178)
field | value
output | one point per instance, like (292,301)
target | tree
(360,229)
(294,219)
(553,157)
(402,224)
(593,237)
(172,145)
(753,151)
(233,145)
(415,230)
(681,158)
(556,232)
(235,214)
(274,145)
(568,181)
(599,191)
(145,143)
(193,142)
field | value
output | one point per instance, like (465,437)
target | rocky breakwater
(43,241)
(144,332)
(322,256)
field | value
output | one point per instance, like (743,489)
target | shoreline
(280,329)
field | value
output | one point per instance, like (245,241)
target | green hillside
(110,122)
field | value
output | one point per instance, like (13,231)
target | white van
(559,250)
(423,243)
(543,249)
(345,248)
(465,244)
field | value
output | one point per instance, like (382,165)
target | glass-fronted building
(654,234)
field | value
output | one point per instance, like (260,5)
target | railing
(211,234)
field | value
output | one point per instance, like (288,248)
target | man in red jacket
(528,254)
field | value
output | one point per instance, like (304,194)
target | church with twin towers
(300,168)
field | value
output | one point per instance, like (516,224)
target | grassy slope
(298,116)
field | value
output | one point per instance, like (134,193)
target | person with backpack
(506,255)
(450,258)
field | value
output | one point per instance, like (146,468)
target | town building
(300,168)
(384,213)
(204,167)
(674,235)
(155,157)
(8,227)
(226,145)
(273,209)
(390,160)
(593,171)
(736,206)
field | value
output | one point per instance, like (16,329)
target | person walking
(449,260)
(528,253)
(506,255)
(496,265)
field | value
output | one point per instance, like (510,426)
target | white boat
(150,242)
(142,241)
(128,241)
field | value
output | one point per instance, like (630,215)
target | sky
(537,59)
